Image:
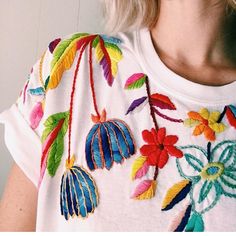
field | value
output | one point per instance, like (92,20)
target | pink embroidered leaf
(137,103)
(140,168)
(162,101)
(53,143)
(145,190)
(135,81)
(36,115)
(231,115)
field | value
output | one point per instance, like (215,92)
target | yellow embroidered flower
(205,122)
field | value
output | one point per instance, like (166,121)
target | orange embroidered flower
(159,146)
(205,122)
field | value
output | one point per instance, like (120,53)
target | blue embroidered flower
(212,172)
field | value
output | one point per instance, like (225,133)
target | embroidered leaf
(36,115)
(207,186)
(53,44)
(137,103)
(181,220)
(46,82)
(108,55)
(176,194)
(135,81)
(78,193)
(37,91)
(63,57)
(108,142)
(109,39)
(195,223)
(53,142)
(139,168)
(145,190)
(231,115)
(162,101)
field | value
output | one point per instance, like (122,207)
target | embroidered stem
(152,115)
(222,115)
(92,80)
(150,103)
(72,98)
(155,173)
(209,151)
(167,117)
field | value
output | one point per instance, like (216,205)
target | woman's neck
(194,38)
(191,30)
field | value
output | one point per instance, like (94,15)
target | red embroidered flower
(159,146)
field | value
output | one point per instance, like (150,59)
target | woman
(130,132)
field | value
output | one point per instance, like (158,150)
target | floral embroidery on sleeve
(109,141)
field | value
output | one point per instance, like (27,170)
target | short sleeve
(22,120)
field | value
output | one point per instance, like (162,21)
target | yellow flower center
(212,171)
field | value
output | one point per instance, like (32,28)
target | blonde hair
(125,15)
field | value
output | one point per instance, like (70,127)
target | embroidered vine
(214,167)
(159,145)
(108,141)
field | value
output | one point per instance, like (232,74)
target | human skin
(18,205)
(194,39)
(191,40)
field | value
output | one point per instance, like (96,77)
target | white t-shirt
(116,141)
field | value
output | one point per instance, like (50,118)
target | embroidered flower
(207,176)
(205,122)
(159,146)
(213,173)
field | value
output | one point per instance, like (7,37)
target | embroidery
(39,93)
(108,54)
(205,122)
(231,115)
(214,167)
(53,143)
(79,194)
(210,174)
(159,145)
(108,141)
(158,101)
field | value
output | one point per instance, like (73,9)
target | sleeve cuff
(22,142)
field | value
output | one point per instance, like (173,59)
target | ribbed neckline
(175,84)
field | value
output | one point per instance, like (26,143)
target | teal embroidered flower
(212,172)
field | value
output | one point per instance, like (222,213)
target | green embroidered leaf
(96,41)
(62,46)
(55,154)
(195,223)
(228,154)
(46,82)
(207,186)
(194,162)
(52,120)
(53,141)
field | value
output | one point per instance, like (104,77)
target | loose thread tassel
(78,192)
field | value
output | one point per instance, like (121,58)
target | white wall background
(26,28)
